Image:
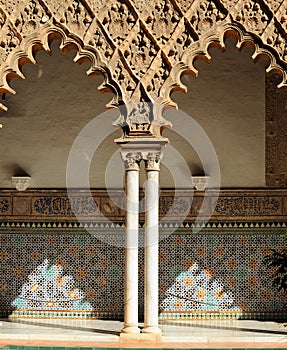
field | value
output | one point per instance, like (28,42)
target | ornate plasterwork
(131,160)
(151,156)
(152,160)
(141,48)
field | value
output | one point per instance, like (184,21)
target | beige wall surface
(57,100)
(228,101)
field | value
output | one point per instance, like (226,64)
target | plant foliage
(277,261)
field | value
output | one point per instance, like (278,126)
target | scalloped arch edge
(30,45)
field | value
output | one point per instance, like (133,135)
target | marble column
(152,161)
(131,161)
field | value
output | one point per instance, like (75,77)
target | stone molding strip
(55,206)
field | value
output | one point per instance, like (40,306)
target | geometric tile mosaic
(67,272)
(219,274)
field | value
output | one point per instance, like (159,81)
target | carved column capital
(131,160)
(152,160)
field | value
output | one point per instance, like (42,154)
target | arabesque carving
(142,49)
(206,15)
(118,21)
(53,206)
(162,20)
(251,15)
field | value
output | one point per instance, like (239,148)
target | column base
(151,330)
(140,337)
(130,330)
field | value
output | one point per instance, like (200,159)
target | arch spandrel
(142,49)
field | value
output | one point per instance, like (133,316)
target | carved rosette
(131,160)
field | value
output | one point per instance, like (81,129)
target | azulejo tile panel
(70,272)
(219,272)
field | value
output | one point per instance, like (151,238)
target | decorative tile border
(162,225)
(106,315)
(162,316)
(222,316)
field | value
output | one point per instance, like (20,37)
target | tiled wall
(68,272)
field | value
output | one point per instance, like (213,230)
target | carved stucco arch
(216,38)
(141,49)
(42,40)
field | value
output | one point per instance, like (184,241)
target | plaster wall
(57,100)
(228,101)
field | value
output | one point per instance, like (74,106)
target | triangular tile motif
(47,289)
(196,289)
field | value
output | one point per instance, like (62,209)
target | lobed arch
(216,38)
(142,51)
(30,45)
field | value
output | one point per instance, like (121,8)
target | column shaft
(151,253)
(131,254)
